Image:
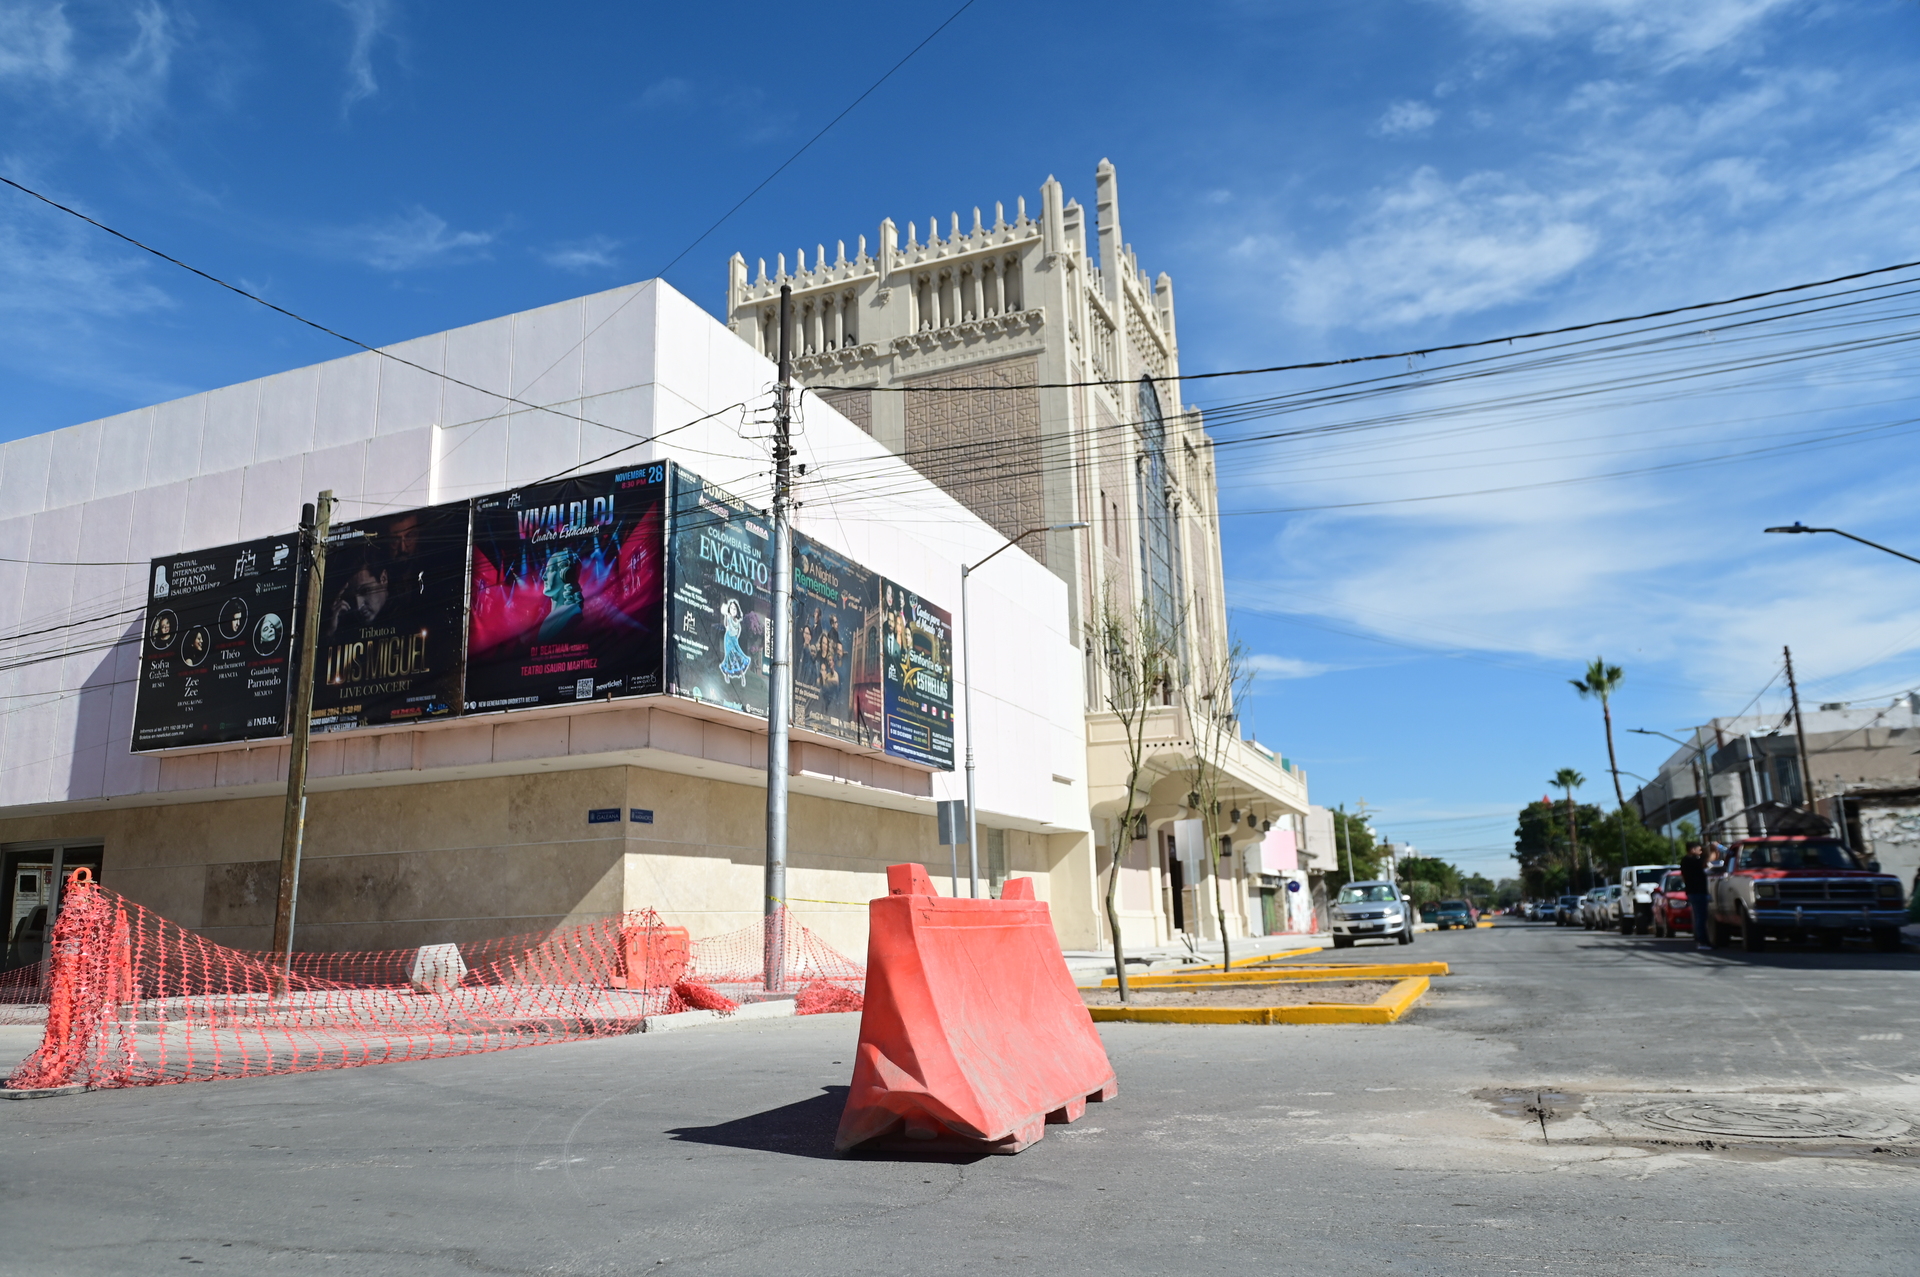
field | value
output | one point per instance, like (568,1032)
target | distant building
(1027,365)
(1865,777)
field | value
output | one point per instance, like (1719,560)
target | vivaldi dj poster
(832,599)
(392,620)
(720,606)
(918,640)
(569,590)
(215,652)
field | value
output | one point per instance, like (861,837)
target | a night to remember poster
(568,595)
(392,620)
(214,655)
(722,599)
(919,677)
(832,598)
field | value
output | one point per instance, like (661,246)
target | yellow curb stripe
(1389,1007)
(1319,971)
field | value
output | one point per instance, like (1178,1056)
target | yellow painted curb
(1487,923)
(1318,971)
(1387,1008)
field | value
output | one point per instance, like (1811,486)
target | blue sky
(1320,179)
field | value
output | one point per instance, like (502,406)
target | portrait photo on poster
(216,646)
(569,591)
(834,599)
(720,604)
(918,639)
(392,620)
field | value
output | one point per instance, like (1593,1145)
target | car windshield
(1453,904)
(1367,893)
(1569,900)
(1795,855)
(1672,882)
(1647,875)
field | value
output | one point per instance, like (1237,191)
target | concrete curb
(42,1092)
(1390,1006)
(776,1010)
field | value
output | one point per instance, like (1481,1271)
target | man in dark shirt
(1693,873)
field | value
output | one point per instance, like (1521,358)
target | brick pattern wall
(984,448)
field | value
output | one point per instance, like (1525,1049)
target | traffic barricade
(973,1036)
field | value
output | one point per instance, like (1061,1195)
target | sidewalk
(1090,966)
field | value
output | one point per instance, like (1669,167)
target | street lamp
(1699,752)
(966,666)
(1801,527)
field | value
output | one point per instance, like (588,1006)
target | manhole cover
(1786,1121)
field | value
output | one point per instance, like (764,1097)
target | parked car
(1591,905)
(1632,910)
(1447,914)
(1566,911)
(1371,911)
(1796,887)
(1671,912)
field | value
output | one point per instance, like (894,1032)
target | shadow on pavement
(804,1129)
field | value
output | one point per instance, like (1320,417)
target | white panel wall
(620,367)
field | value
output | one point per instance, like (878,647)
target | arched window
(1159,542)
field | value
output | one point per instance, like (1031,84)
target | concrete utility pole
(1800,731)
(780,658)
(315,522)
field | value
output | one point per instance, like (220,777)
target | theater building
(1027,364)
(450,822)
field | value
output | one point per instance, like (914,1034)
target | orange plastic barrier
(973,1036)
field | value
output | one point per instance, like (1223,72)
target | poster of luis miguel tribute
(569,584)
(918,640)
(392,620)
(215,654)
(722,598)
(832,599)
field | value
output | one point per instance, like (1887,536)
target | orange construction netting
(130,999)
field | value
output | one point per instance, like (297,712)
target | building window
(1159,546)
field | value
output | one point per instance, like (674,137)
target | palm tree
(1569,780)
(1603,680)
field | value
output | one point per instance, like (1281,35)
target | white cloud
(1283,667)
(670,92)
(410,241)
(1670,30)
(1432,248)
(113,77)
(583,256)
(1403,118)
(369,21)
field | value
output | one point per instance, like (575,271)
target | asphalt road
(1566,1103)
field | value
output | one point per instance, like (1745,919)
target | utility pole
(1800,731)
(780,663)
(315,522)
(1346,840)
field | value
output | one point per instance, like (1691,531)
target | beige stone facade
(1029,367)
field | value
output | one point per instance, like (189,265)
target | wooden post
(314,525)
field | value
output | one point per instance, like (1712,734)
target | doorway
(31,875)
(1176,882)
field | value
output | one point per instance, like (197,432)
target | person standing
(1693,875)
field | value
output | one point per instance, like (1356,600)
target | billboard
(918,677)
(392,620)
(217,647)
(720,606)
(568,591)
(833,597)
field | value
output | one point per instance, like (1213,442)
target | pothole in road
(1786,1120)
(1532,1103)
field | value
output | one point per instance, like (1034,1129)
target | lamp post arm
(1875,544)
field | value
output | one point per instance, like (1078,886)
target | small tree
(1139,662)
(1211,695)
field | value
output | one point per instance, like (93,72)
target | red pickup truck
(1795,887)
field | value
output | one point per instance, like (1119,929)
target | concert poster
(393,620)
(217,645)
(568,592)
(720,607)
(832,599)
(918,645)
